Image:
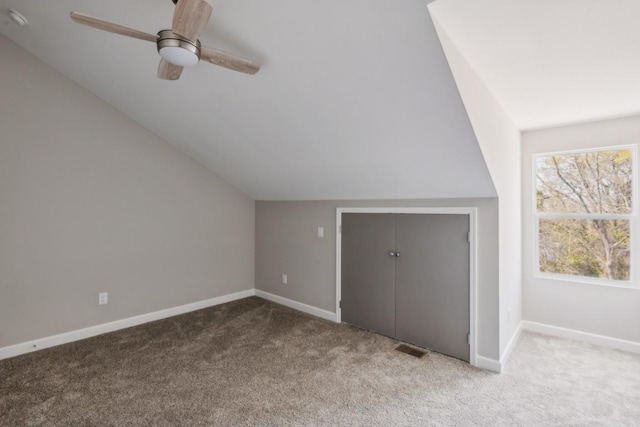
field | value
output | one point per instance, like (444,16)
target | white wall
(90,201)
(499,141)
(596,309)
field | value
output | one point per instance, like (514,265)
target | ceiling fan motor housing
(178,50)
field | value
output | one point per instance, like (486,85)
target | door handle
(394,254)
(397,254)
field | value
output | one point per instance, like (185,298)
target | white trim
(588,150)
(305,308)
(79,334)
(473,279)
(625,284)
(488,364)
(554,215)
(512,343)
(339,212)
(438,210)
(572,334)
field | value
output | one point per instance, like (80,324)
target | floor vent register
(410,350)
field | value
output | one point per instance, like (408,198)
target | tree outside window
(584,207)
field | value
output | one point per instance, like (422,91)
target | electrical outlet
(103,298)
(284,279)
(320,231)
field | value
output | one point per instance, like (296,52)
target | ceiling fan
(179,47)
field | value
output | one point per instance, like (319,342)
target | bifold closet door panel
(432,282)
(368,272)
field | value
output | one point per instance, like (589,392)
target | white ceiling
(354,100)
(551,62)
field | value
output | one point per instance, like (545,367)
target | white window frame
(631,217)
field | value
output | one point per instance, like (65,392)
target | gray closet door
(368,272)
(432,282)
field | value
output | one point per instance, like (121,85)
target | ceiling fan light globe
(179,56)
(178,50)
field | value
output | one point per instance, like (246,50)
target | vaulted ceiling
(354,99)
(550,62)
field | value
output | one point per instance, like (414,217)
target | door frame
(473,280)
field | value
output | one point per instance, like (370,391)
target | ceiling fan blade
(191,18)
(169,71)
(227,60)
(111,27)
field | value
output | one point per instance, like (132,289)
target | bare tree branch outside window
(583,203)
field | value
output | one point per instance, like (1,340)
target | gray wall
(593,308)
(90,201)
(287,242)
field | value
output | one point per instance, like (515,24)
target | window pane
(581,247)
(590,182)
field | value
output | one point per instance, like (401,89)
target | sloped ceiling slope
(354,100)
(550,62)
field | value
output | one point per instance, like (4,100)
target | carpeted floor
(252,362)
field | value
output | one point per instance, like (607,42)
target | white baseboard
(309,309)
(572,334)
(488,364)
(512,343)
(481,361)
(42,343)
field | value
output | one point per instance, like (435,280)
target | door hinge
(340,304)
(469,339)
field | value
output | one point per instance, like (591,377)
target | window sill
(587,281)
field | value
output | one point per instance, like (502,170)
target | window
(584,213)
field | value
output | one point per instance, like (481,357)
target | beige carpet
(252,362)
